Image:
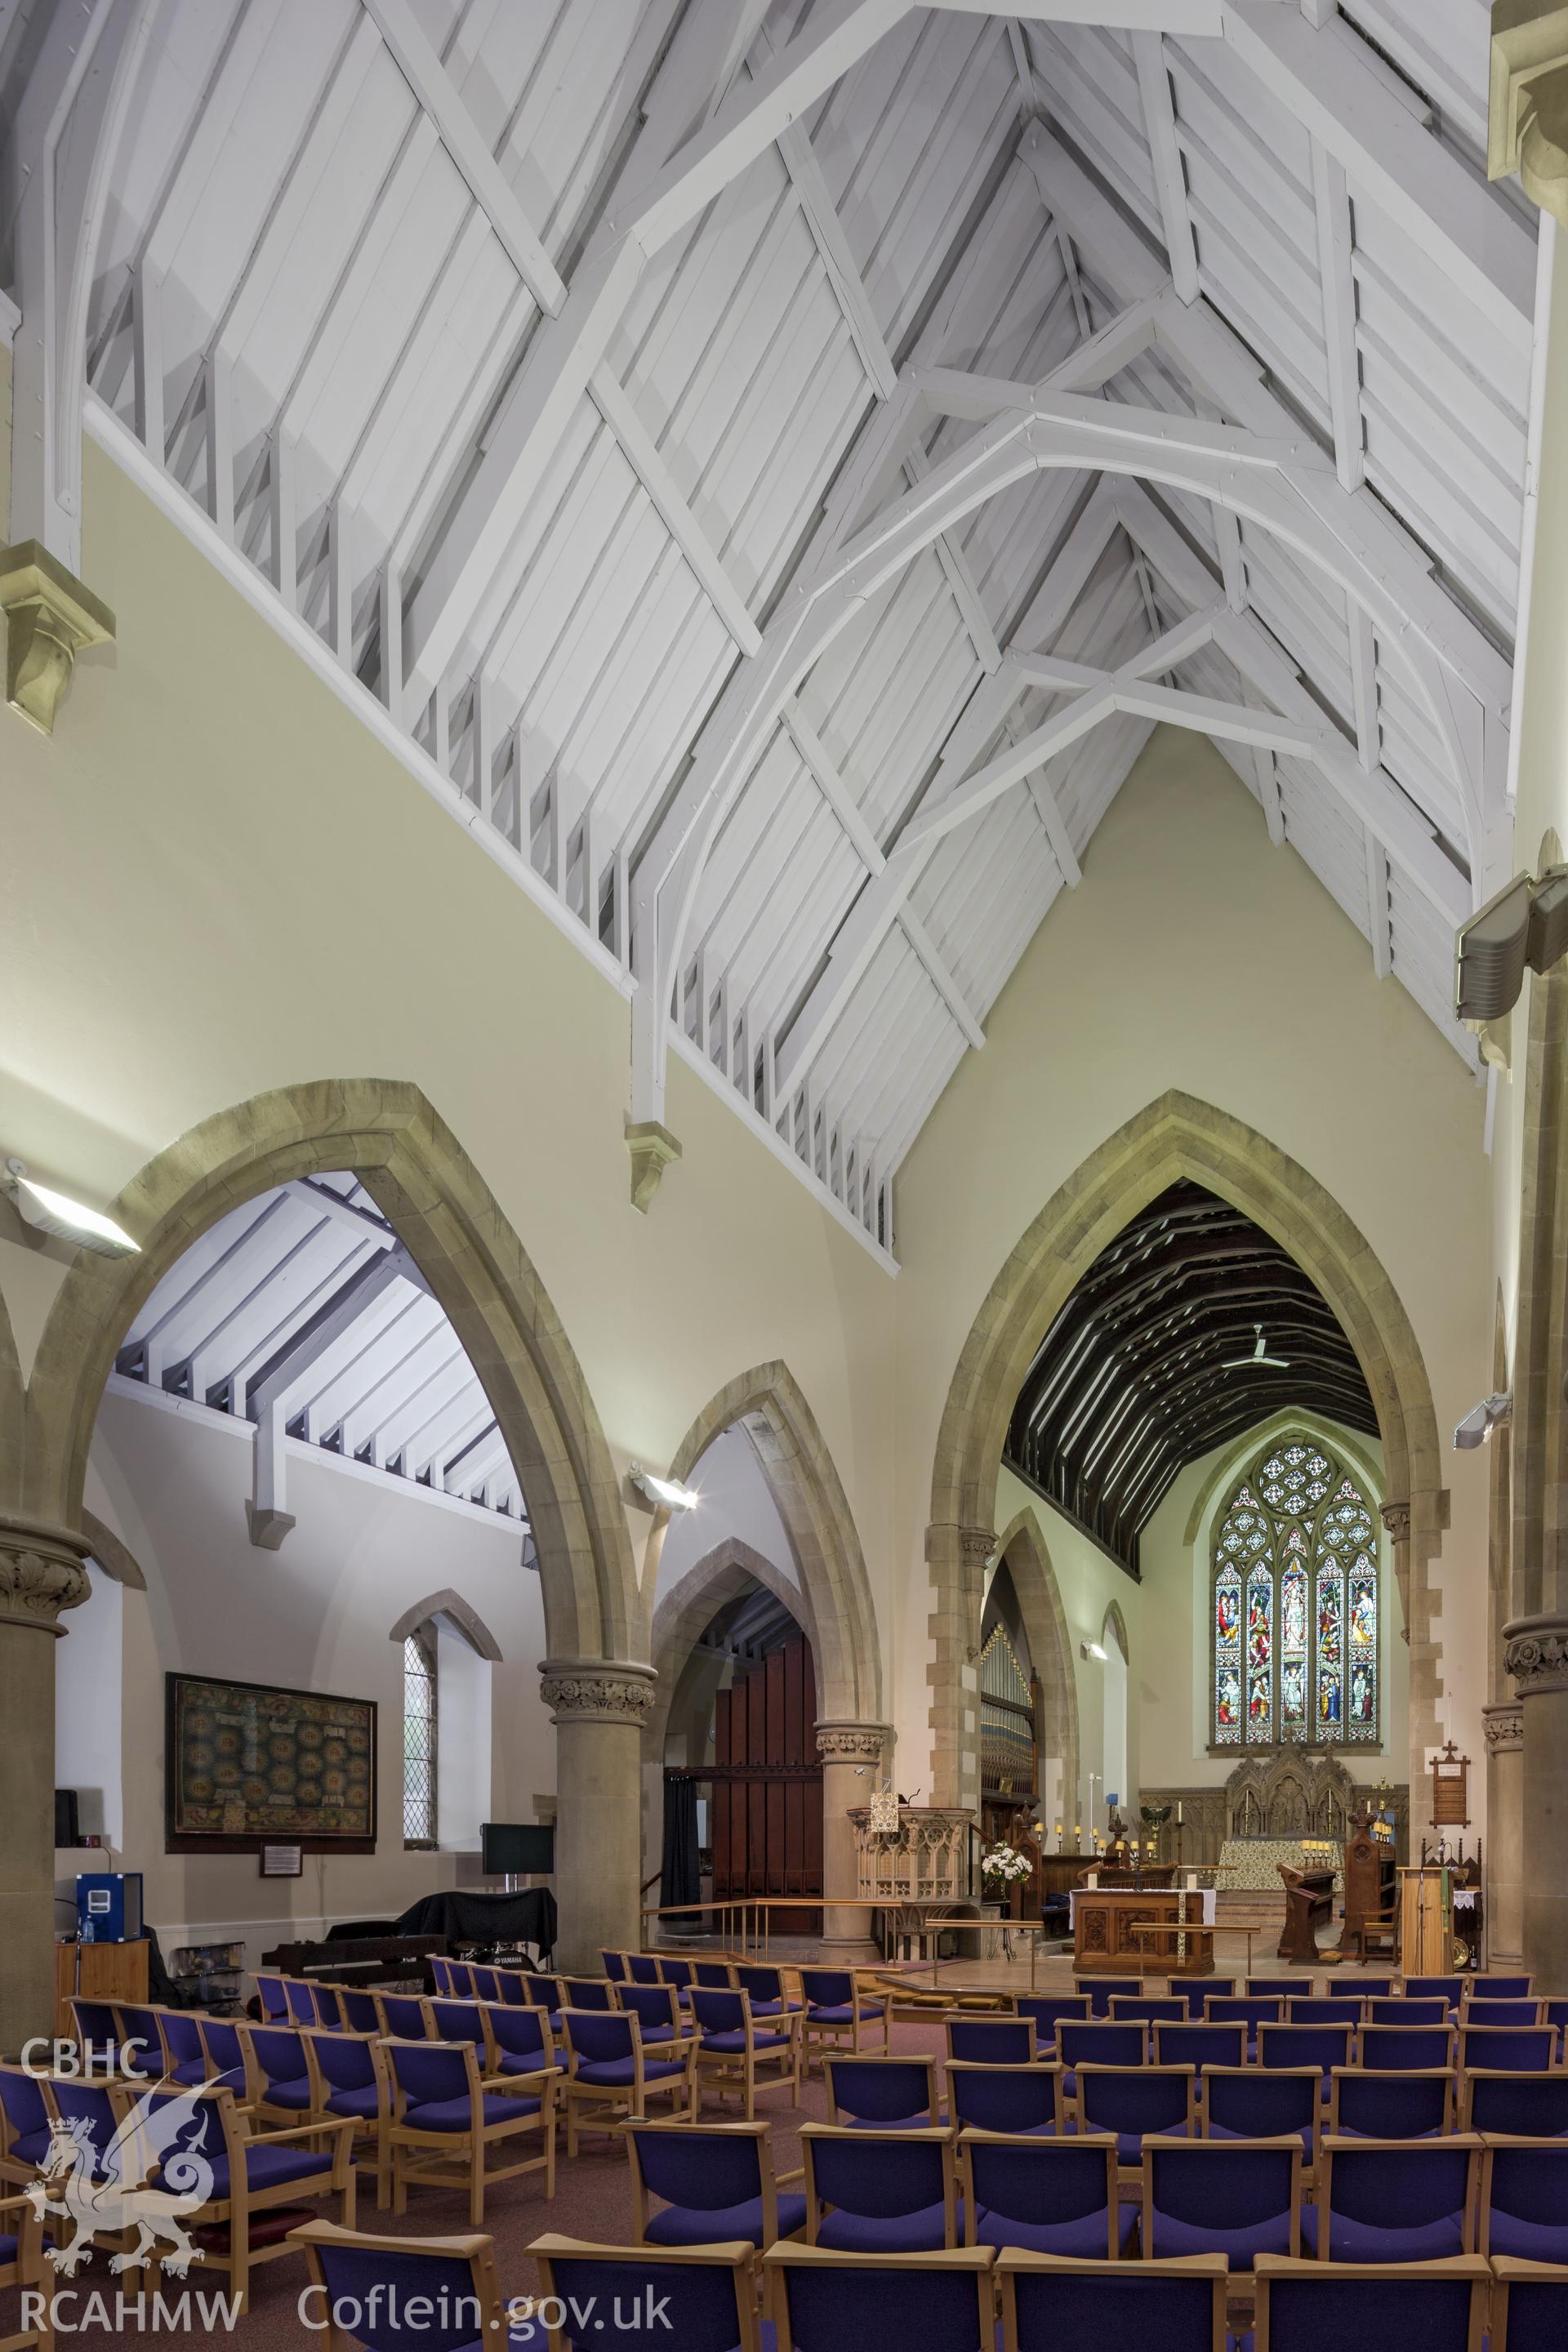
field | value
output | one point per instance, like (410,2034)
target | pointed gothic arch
(452,1606)
(770,1405)
(688,1607)
(1177,1136)
(388,1133)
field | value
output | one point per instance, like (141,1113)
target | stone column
(1537,1658)
(599,1706)
(1504,1725)
(41,1573)
(851,1757)
(957,1558)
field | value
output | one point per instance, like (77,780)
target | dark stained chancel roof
(1130,1383)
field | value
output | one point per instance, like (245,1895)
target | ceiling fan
(1259,1356)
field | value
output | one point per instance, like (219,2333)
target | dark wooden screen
(767,1784)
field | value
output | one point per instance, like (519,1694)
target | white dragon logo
(114,2194)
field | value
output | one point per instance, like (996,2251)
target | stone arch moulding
(1173,1137)
(720,1575)
(420,1176)
(468,1621)
(1022,1548)
(769,1404)
(1114,1623)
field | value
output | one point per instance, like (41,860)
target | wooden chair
(445,2124)
(1237,2200)
(837,2010)
(1442,2304)
(878,2192)
(347,2265)
(712,2181)
(824,2301)
(704,2294)
(26,2119)
(609,2076)
(1050,2196)
(278,2085)
(256,2175)
(349,2079)
(1529,2305)
(22,2268)
(1048,2302)
(1435,2184)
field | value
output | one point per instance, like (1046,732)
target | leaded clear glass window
(1295,1607)
(419,1737)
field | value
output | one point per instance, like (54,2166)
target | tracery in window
(1295,1610)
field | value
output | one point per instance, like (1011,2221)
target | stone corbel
(652,1147)
(50,617)
(1527,120)
(1503,1725)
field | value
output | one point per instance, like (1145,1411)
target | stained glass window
(419,1738)
(1296,1606)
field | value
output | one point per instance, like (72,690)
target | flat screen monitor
(517,1849)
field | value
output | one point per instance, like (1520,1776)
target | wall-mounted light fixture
(663,1493)
(1525,926)
(1491,1413)
(1093,1649)
(68,1221)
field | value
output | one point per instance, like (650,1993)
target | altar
(1105,1941)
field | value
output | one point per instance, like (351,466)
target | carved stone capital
(596,1690)
(976,1546)
(1526,125)
(1503,1725)
(851,1743)
(50,617)
(1537,1653)
(1395,1517)
(652,1147)
(41,1572)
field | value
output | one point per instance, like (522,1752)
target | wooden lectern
(1426,1919)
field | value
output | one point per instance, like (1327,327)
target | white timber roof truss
(766,465)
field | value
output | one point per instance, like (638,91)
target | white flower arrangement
(1005,1862)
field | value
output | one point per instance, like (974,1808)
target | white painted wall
(737,1501)
(88,1712)
(171,1481)
(1179,961)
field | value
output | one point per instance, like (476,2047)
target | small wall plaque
(282,1862)
(1450,1790)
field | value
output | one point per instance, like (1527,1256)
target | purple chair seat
(1129,2144)
(688,2225)
(924,2233)
(613,2073)
(1532,2241)
(1271,2236)
(840,2013)
(454,2114)
(1081,2240)
(362,2103)
(513,2062)
(7,2250)
(760,2042)
(269,2167)
(1364,2242)
(296,2093)
(782,2009)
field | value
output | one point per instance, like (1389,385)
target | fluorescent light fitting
(54,1213)
(1093,1650)
(666,1494)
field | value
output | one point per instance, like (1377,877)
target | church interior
(783,1421)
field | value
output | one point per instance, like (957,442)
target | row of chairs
(258,2179)
(920,2189)
(1227,2098)
(1335,1984)
(1044,2027)
(963,2300)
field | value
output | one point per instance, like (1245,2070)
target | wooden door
(767,1785)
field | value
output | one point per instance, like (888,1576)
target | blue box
(109,1906)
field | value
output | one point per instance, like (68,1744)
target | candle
(1178,1812)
